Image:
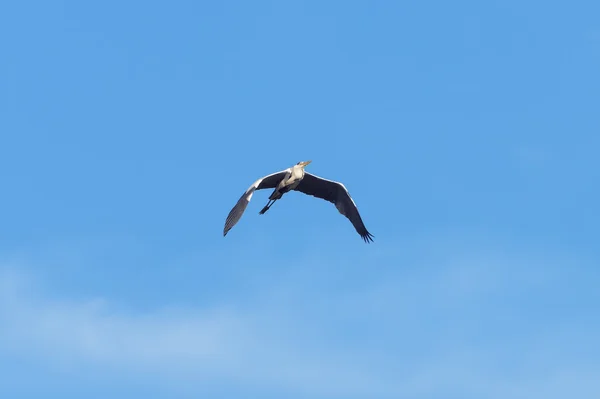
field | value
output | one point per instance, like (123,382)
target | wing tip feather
(367,237)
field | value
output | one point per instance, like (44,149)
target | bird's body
(296,178)
(290,181)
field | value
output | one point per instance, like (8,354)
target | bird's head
(303,164)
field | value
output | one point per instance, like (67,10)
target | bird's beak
(306,163)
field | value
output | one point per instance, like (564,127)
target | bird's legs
(266,208)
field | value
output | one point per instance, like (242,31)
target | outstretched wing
(269,181)
(337,194)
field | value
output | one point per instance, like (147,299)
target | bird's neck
(298,172)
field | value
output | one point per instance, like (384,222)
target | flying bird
(296,178)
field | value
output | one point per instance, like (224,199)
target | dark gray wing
(269,181)
(337,194)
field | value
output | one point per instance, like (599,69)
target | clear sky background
(467,132)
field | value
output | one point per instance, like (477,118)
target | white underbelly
(294,184)
(292,181)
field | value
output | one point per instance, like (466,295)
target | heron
(296,178)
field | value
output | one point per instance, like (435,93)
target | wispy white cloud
(216,342)
(450,322)
(95,330)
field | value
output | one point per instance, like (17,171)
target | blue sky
(466,132)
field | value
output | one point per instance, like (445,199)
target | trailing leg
(266,208)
